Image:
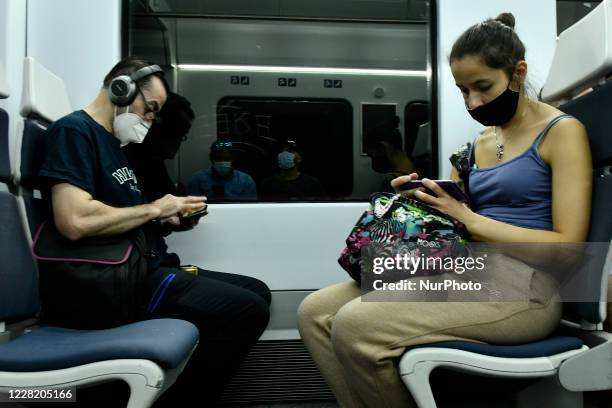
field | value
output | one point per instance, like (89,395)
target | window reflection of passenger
(222,180)
(290,182)
(227,292)
(384,146)
(162,143)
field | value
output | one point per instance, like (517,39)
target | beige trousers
(357,345)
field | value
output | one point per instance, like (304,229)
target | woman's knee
(307,313)
(314,313)
(350,336)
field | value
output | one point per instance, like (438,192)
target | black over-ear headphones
(123,89)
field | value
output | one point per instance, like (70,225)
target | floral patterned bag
(391,219)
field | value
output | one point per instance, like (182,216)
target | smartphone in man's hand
(189,219)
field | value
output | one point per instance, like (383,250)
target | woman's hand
(400,181)
(444,202)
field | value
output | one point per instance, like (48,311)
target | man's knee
(262,290)
(257,311)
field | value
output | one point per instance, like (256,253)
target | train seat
(5,167)
(44,100)
(148,355)
(568,365)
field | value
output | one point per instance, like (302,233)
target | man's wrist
(153,211)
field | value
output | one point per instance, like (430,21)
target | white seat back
(5,91)
(44,93)
(583,55)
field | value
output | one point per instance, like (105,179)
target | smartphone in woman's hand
(447,185)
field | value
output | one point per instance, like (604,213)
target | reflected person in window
(162,143)
(222,181)
(384,146)
(290,182)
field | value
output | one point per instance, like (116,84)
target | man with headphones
(93,191)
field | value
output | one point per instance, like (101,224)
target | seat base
(147,381)
(167,342)
(417,364)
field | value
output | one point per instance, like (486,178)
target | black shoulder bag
(92,283)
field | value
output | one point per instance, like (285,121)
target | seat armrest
(590,370)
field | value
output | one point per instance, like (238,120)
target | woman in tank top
(531,183)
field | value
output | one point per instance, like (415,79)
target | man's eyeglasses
(150,114)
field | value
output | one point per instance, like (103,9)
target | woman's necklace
(499,148)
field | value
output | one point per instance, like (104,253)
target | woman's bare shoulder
(548,113)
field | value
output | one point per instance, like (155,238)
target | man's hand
(78,215)
(171,222)
(179,224)
(172,206)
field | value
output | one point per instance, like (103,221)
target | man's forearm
(100,219)
(106,220)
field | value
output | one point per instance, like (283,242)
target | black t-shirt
(79,151)
(155,183)
(151,172)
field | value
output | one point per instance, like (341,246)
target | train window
(337,9)
(571,11)
(267,136)
(417,137)
(280,82)
(373,117)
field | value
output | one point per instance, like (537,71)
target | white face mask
(223,168)
(286,160)
(129,128)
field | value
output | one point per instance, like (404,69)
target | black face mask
(499,111)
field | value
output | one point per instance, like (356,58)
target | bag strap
(471,161)
(380,212)
(49,245)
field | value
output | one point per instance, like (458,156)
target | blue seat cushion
(543,348)
(167,342)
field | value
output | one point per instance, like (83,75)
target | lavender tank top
(517,192)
